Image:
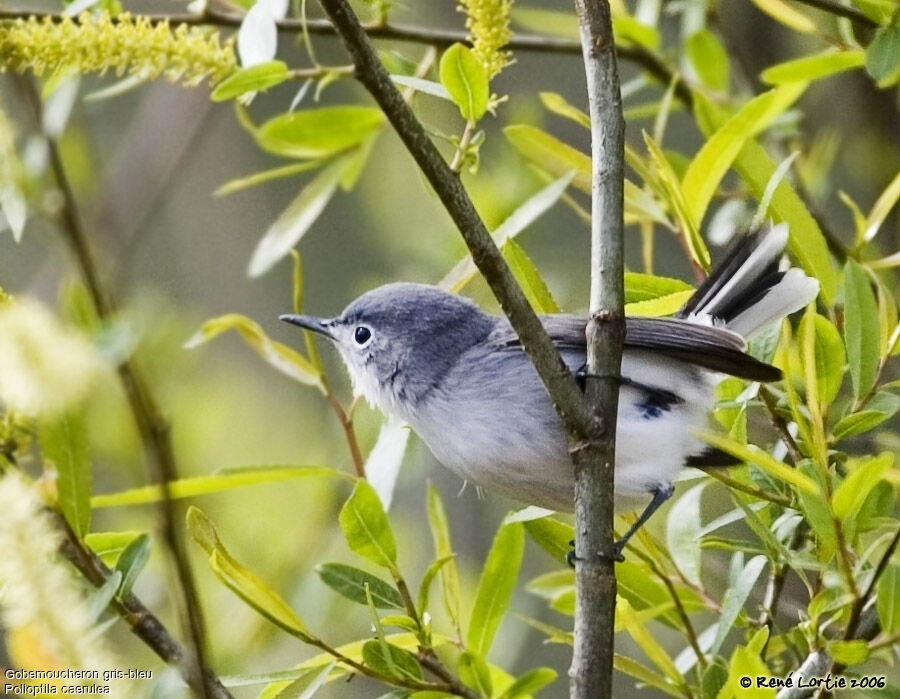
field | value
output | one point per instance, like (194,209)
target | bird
(460,378)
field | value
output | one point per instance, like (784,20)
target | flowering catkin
(123,44)
(488,25)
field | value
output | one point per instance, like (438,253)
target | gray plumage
(462,381)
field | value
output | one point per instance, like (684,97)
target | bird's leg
(661,493)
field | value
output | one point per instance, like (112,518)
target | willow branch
(142,622)
(590,674)
(153,427)
(440,38)
(446,184)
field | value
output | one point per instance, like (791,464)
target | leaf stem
(461,150)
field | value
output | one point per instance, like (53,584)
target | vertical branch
(591,672)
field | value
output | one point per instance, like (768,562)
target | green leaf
(756,168)
(64,443)
(425,586)
(645,675)
(391,661)
(810,68)
(227,479)
(708,59)
(756,456)
(110,545)
(132,562)
(276,354)
(466,80)
(886,201)
(529,683)
(366,526)
(720,150)
(293,223)
(682,528)
(550,153)
(551,535)
(529,278)
(557,104)
(678,203)
(495,587)
(628,30)
(632,623)
(351,583)
(855,488)
(241,581)
(888,600)
(829,356)
(817,513)
(474,672)
(644,287)
(860,328)
(883,55)
(256,178)
(662,306)
(443,548)
(318,133)
(260,77)
(524,215)
(735,597)
(862,421)
(848,652)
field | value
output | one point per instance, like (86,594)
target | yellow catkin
(488,25)
(124,44)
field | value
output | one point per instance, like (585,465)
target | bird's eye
(362,335)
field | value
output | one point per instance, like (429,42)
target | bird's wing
(712,348)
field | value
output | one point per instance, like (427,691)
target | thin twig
(780,425)
(775,498)
(153,427)
(839,10)
(863,599)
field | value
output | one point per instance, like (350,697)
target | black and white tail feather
(744,294)
(747,292)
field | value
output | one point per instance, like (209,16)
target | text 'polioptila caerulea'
(460,378)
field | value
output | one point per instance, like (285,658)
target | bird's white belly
(503,434)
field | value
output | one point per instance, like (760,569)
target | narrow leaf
(443,548)
(735,597)
(383,463)
(366,526)
(241,581)
(276,354)
(297,218)
(550,153)
(682,528)
(645,640)
(495,587)
(255,78)
(557,104)
(132,562)
(352,583)
(391,660)
(529,278)
(720,150)
(855,488)
(816,67)
(64,444)
(529,683)
(318,133)
(227,479)
(888,600)
(886,201)
(860,328)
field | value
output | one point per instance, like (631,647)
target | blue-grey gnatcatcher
(460,378)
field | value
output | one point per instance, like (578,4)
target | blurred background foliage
(145,165)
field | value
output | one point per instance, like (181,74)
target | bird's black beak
(317,325)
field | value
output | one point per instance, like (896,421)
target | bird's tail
(746,291)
